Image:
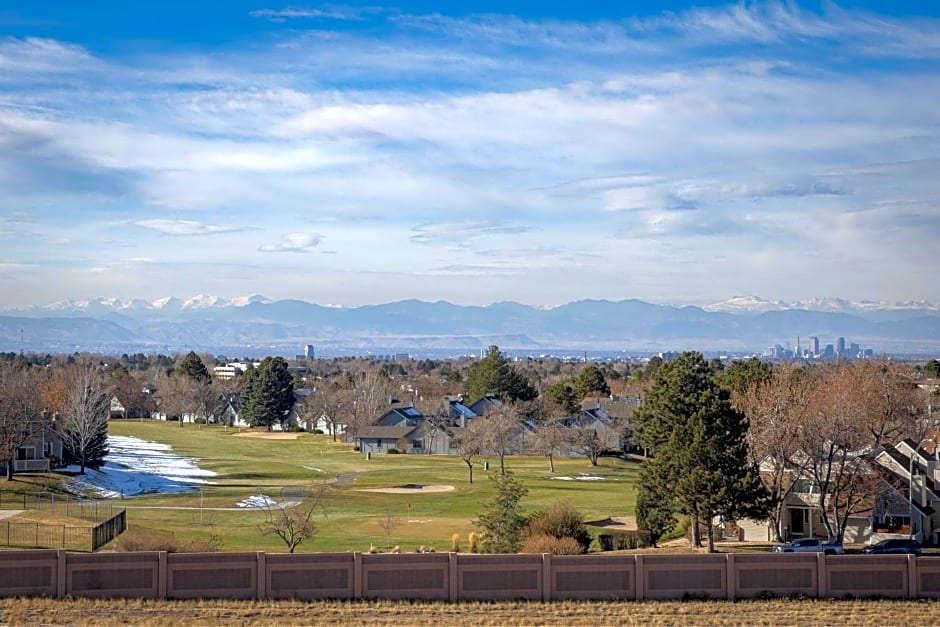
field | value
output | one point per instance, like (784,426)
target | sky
(539,152)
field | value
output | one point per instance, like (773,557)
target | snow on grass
(578,478)
(258,500)
(134,466)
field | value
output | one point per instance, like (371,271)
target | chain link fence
(109,522)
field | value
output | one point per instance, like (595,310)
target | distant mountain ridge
(258,324)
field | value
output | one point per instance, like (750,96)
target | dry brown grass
(770,612)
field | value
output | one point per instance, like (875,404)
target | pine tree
(193,367)
(702,467)
(502,520)
(591,382)
(494,375)
(267,393)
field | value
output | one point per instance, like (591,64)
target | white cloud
(643,144)
(184,227)
(294,243)
(327,11)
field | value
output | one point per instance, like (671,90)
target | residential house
(889,513)
(486,403)
(914,475)
(41,452)
(379,439)
(404,416)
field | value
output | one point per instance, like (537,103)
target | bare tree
(834,443)
(500,427)
(388,523)
(371,393)
(889,396)
(20,413)
(84,426)
(776,410)
(295,524)
(552,438)
(469,442)
(328,401)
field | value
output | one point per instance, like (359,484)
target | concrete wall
(457,577)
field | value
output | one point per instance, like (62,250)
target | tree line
(735,443)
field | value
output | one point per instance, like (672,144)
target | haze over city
(679,153)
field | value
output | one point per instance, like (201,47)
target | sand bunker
(411,488)
(268,435)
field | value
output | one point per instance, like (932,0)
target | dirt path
(8,513)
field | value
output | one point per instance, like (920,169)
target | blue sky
(531,151)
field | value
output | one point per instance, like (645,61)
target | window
(417,444)
(26,452)
(804,486)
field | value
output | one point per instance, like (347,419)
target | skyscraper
(309,351)
(815,345)
(840,347)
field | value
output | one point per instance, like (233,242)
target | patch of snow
(135,466)
(258,500)
(578,478)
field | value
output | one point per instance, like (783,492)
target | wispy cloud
(478,141)
(184,227)
(294,243)
(327,11)
(461,233)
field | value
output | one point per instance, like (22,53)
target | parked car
(810,545)
(895,547)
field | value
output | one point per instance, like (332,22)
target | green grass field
(353,518)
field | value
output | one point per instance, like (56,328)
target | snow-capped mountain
(169,304)
(756,304)
(214,324)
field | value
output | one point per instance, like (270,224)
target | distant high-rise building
(814,343)
(840,347)
(309,351)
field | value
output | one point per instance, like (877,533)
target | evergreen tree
(702,468)
(193,367)
(267,393)
(502,520)
(494,375)
(591,382)
(561,399)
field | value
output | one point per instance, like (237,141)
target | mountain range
(255,325)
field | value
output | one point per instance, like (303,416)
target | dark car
(895,547)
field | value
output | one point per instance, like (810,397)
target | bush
(561,521)
(550,544)
(393,451)
(622,540)
(164,541)
(199,421)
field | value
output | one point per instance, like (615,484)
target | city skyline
(532,152)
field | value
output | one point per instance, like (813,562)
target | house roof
(484,404)
(385,433)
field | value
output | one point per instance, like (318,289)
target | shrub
(455,543)
(551,544)
(393,451)
(474,541)
(562,520)
(165,541)
(622,540)
(146,541)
